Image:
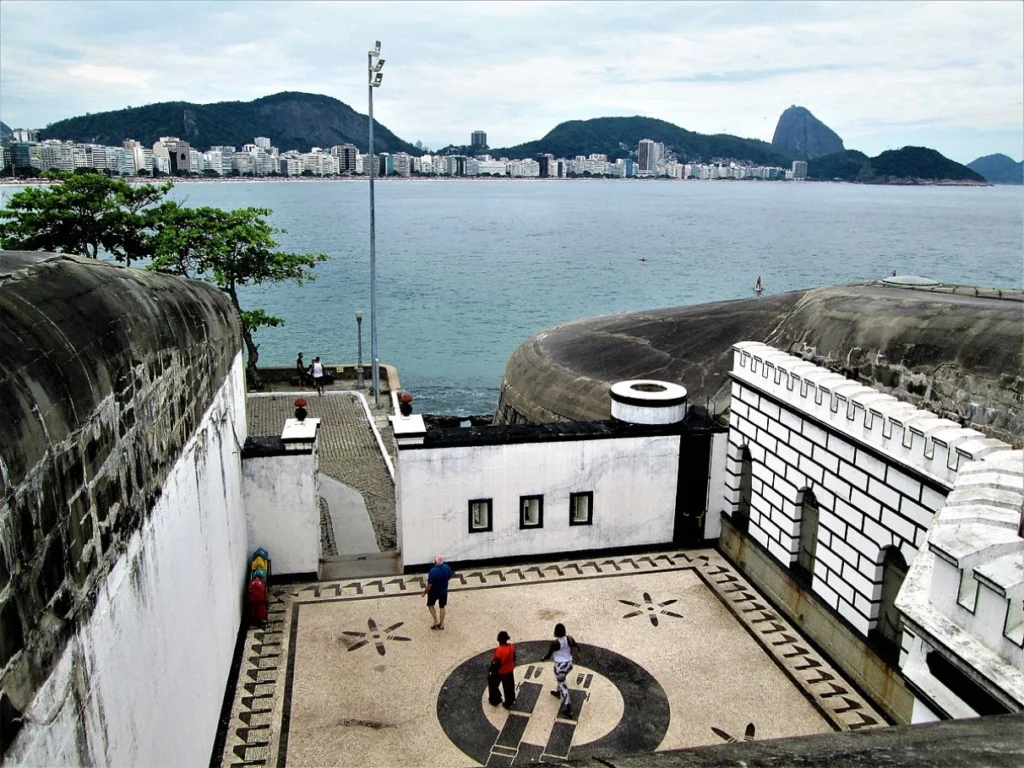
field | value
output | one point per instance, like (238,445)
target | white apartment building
(262,142)
(526,169)
(291,164)
(403,164)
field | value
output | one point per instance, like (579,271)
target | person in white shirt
(563,648)
(317,370)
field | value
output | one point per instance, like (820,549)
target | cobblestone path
(348,450)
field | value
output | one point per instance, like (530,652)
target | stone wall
(106,377)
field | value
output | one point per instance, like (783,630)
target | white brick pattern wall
(879,469)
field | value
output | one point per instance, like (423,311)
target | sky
(947,75)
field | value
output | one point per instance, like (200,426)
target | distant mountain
(999,169)
(805,137)
(5,131)
(290,120)
(909,165)
(617,137)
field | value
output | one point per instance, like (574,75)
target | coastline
(902,182)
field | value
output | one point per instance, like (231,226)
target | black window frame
(590,508)
(540,512)
(490,515)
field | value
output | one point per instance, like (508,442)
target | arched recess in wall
(894,571)
(742,520)
(808,533)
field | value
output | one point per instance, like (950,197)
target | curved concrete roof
(953,350)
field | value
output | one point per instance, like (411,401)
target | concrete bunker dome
(957,351)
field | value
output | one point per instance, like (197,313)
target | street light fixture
(359,368)
(374,64)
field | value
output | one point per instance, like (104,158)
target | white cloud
(880,74)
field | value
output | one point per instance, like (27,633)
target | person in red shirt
(502,672)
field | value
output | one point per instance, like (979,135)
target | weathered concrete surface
(991,742)
(957,352)
(105,373)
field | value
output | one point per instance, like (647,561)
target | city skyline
(883,76)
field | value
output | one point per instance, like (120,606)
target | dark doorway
(692,488)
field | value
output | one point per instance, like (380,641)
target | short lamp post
(360,384)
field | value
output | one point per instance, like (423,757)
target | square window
(531,511)
(581,508)
(479,515)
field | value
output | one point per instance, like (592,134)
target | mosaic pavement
(678,650)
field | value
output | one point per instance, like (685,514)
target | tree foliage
(84,214)
(230,249)
(914,163)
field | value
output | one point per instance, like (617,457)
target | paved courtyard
(678,650)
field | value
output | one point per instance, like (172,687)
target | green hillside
(290,120)
(617,137)
(908,164)
(999,169)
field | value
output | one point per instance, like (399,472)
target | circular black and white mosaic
(641,728)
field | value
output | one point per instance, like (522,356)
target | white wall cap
(979,448)
(1006,573)
(650,390)
(300,431)
(408,426)
(968,545)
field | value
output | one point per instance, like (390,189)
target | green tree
(83,214)
(230,249)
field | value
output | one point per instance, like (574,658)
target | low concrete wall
(882,683)
(389,381)
(281,512)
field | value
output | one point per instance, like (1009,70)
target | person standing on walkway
(565,650)
(437,589)
(502,672)
(300,367)
(317,370)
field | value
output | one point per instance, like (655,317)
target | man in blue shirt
(437,589)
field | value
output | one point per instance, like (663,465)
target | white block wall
(281,511)
(633,481)
(878,468)
(142,682)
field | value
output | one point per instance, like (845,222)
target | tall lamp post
(374,65)
(359,369)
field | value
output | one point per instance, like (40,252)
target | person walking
(437,589)
(300,367)
(565,650)
(502,672)
(317,371)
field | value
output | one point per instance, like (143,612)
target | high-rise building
(645,156)
(262,142)
(799,169)
(346,154)
(478,140)
(547,166)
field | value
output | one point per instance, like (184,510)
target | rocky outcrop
(802,135)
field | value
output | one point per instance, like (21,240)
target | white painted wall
(281,510)
(142,681)
(716,485)
(633,481)
(879,469)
